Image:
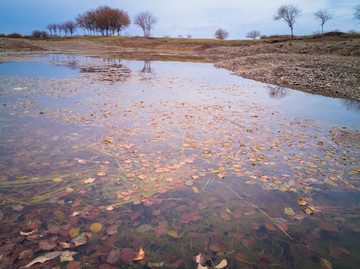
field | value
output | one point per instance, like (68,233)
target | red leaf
(217,244)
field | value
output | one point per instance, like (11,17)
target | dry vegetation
(326,64)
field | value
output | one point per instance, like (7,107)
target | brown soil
(327,65)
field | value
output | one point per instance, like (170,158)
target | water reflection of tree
(147,67)
(351,104)
(277,92)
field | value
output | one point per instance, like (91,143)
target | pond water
(108,163)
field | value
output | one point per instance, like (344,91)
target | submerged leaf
(139,255)
(96,227)
(289,211)
(222,264)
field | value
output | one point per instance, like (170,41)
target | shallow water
(106,156)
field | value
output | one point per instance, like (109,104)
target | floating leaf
(57,179)
(96,227)
(195,189)
(302,202)
(101,173)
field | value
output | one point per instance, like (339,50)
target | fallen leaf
(195,189)
(46,245)
(173,234)
(101,173)
(289,211)
(57,179)
(42,259)
(96,227)
(302,202)
(89,180)
(113,256)
(337,252)
(325,264)
(222,264)
(73,232)
(139,255)
(66,256)
(307,210)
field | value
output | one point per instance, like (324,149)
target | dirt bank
(328,66)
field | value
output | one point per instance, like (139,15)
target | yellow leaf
(173,233)
(277,181)
(101,173)
(140,255)
(96,227)
(289,211)
(308,210)
(215,172)
(195,189)
(282,188)
(302,202)
(73,232)
(58,179)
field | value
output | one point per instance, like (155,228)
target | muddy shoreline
(330,68)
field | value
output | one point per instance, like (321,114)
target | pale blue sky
(200,18)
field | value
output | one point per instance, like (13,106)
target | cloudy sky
(200,18)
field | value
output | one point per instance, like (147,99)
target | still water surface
(104,158)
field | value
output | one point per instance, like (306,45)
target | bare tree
(357,13)
(49,27)
(253,34)
(288,13)
(146,21)
(69,27)
(221,34)
(323,15)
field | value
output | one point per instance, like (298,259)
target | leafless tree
(221,34)
(146,21)
(288,13)
(69,27)
(253,34)
(357,13)
(323,15)
(49,27)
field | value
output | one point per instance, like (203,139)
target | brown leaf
(127,255)
(113,256)
(224,215)
(217,244)
(42,259)
(46,245)
(337,252)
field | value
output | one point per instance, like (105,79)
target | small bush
(14,35)
(37,33)
(2,35)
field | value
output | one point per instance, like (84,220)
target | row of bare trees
(68,27)
(289,14)
(105,20)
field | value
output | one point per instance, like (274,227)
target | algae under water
(136,164)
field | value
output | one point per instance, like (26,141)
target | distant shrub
(354,32)
(2,35)
(14,35)
(37,33)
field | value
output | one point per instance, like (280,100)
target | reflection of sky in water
(35,69)
(293,103)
